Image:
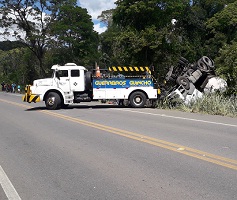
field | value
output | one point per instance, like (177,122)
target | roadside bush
(214,104)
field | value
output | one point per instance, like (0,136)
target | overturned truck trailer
(188,81)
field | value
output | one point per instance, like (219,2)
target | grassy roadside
(214,104)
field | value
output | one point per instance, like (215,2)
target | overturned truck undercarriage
(188,81)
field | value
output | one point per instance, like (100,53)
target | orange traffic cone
(97,72)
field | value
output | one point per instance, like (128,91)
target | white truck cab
(69,77)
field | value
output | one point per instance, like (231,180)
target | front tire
(53,101)
(137,99)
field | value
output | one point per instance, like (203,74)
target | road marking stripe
(16,104)
(7,186)
(219,160)
(169,116)
(95,125)
(161,115)
(226,162)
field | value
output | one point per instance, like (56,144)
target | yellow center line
(212,158)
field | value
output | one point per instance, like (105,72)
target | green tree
(227,65)
(142,32)
(8,45)
(222,27)
(144,13)
(192,30)
(74,36)
(106,17)
(17,65)
(32,20)
(208,8)
(109,54)
(223,42)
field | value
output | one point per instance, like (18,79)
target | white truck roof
(67,66)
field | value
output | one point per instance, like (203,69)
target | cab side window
(63,73)
(75,73)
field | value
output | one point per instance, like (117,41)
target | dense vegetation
(139,32)
(213,104)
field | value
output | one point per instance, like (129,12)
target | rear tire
(209,62)
(181,80)
(202,66)
(53,101)
(137,99)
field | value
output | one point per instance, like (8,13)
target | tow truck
(72,84)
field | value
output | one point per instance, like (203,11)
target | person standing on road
(19,88)
(13,87)
(3,86)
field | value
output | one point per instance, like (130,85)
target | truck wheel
(181,80)
(190,71)
(209,62)
(202,66)
(137,99)
(53,101)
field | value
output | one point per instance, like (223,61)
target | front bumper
(28,97)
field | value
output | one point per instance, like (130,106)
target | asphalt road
(100,151)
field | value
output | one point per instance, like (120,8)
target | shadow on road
(36,109)
(78,107)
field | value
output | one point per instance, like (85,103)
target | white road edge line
(183,118)
(7,186)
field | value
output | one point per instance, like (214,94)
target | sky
(95,8)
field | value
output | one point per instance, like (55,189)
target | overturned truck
(188,81)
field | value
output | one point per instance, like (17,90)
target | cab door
(77,82)
(64,80)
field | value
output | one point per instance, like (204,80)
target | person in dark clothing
(3,86)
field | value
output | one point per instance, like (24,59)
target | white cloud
(10,30)
(95,8)
(99,28)
(14,28)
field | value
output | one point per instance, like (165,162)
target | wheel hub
(51,101)
(138,100)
